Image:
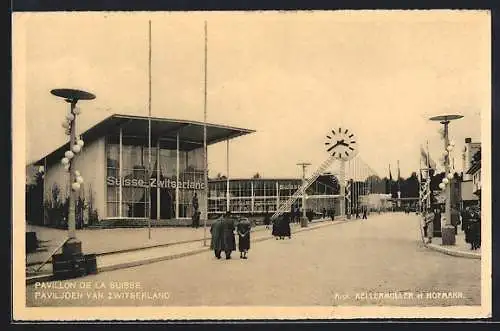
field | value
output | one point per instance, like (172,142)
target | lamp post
(448,230)
(304,213)
(72,96)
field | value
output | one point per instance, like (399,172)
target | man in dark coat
(217,243)
(229,242)
(473,232)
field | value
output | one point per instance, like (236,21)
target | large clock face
(341,144)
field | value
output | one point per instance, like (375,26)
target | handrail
(52,254)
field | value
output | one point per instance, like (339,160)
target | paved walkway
(117,247)
(351,263)
(461,248)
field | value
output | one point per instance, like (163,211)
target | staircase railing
(285,205)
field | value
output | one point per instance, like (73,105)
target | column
(177,179)
(304,212)
(227,176)
(252,195)
(120,171)
(72,194)
(342,188)
(277,196)
(158,179)
(447,170)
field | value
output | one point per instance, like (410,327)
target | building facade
(471,177)
(256,195)
(134,168)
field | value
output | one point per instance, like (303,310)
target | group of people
(470,220)
(281,227)
(471,225)
(223,236)
(364,211)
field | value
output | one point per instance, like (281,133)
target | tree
(476,158)
(220,176)
(410,186)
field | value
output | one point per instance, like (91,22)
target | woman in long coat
(285,226)
(276,227)
(243,229)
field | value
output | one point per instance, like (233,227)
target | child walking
(243,229)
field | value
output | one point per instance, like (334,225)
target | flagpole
(205,160)
(429,178)
(149,135)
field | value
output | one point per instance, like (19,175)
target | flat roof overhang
(163,130)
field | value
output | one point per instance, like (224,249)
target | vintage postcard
(251,165)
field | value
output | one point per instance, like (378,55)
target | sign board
(153,182)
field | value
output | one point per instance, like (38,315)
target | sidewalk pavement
(460,249)
(123,248)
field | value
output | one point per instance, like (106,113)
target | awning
(162,129)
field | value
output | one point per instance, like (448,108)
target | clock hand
(336,144)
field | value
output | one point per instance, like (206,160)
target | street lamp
(72,245)
(448,230)
(304,165)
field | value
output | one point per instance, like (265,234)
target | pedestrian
(357,213)
(332,214)
(229,242)
(267,218)
(310,215)
(276,223)
(217,243)
(285,227)
(194,202)
(365,211)
(474,229)
(243,229)
(429,225)
(324,212)
(465,218)
(196,219)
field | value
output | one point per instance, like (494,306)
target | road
(379,261)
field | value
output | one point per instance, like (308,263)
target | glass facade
(171,191)
(253,196)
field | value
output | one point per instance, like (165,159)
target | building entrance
(167,206)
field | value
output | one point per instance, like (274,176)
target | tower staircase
(287,204)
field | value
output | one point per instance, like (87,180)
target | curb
(48,277)
(452,252)
(127,250)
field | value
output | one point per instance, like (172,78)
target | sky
(292,77)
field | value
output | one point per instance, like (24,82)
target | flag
(399,173)
(429,163)
(388,187)
(423,155)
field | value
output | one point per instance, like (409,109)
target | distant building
(475,172)
(471,182)
(469,150)
(253,195)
